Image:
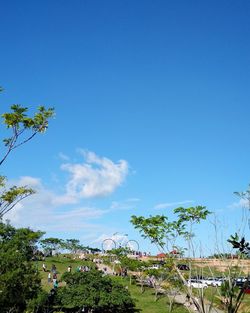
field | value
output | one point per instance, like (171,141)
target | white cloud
(14,214)
(116,237)
(96,177)
(83,212)
(127,204)
(63,156)
(66,214)
(43,211)
(166,205)
(44,197)
(242,203)
(31,182)
(63,200)
(40,211)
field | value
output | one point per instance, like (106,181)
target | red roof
(161,255)
(174,252)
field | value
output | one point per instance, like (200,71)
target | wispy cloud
(127,204)
(40,211)
(166,205)
(81,213)
(96,177)
(63,156)
(242,203)
(116,237)
(67,211)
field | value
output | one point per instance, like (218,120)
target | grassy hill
(145,301)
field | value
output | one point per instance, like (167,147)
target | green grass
(61,264)
(145,301)
(211,293)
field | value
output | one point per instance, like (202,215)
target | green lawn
(61,264)
(145,302)
(211,294)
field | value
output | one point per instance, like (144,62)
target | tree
(52,244)
(72,245)
(191,216)
(19,279)
(161,232)
(240,244)
(41,303)
(245,195)
(94,293)
(118,252)
(231,293)
(23,129)
(133,265)
(164,234)
(10,197)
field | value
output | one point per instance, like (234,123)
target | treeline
(53,245)
(21,288)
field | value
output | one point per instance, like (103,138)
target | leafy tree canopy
(239,243)
(93,291)
(52,244)
(162,232)
(23,129)
(19,279)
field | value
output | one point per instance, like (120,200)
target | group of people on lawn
(52,275)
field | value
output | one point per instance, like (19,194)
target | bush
(93,291)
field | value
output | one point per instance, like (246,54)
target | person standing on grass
(44,267)
(55,284)
(49,278)
(53,269)
(54,278)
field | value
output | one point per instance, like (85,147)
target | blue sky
(152,112)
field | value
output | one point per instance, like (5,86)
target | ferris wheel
(108,244)
(120,241)
(132,245)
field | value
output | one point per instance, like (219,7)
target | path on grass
(102,267)
(180,298)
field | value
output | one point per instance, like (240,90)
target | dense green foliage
(51,244)
(145,301)
(93,291)
(19,279)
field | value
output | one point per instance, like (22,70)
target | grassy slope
(145,301)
